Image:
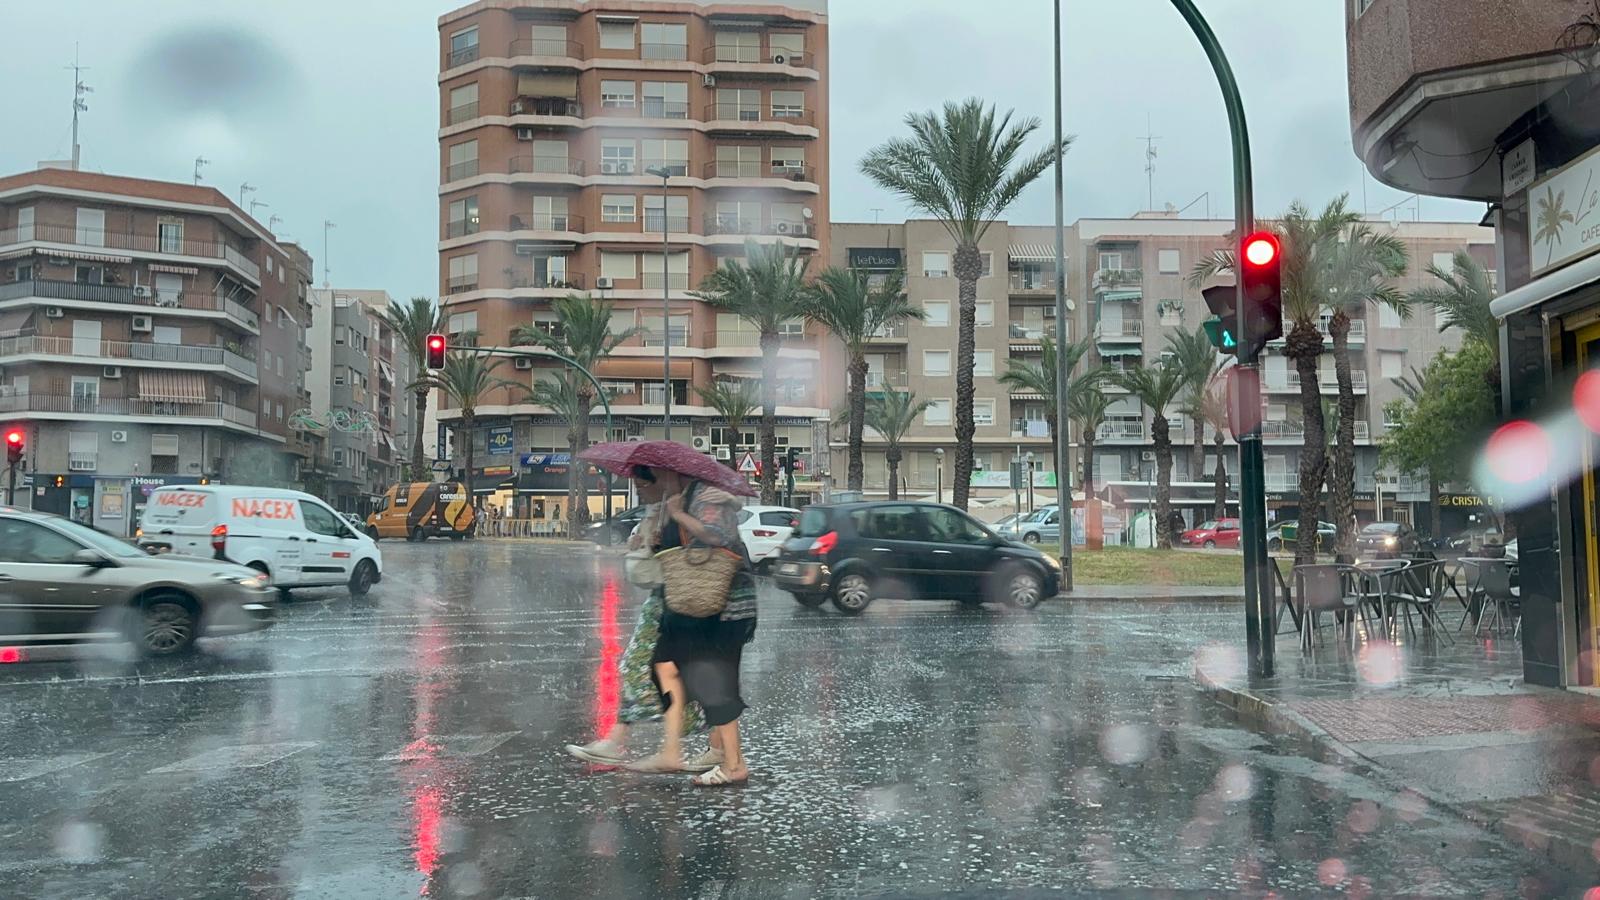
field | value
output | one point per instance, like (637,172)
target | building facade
(1501,103)
(359,399)
(1128,289)
(625,150)
(150,334)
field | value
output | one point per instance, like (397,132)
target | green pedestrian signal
(1222,337)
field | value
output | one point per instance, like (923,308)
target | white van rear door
(179,520)
(269,530)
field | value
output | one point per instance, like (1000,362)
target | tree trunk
(968,266)
(1433,506)
(1197,457)
(1342,478)
(892,457)
(1304,346)
(467,436)
(417,468)
(855,474)
(1162,431)
(769,418)
(1219,478)
(1054,422)
(1088,468)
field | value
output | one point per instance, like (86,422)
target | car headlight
(257,582)
(1052,562)
(1390,542)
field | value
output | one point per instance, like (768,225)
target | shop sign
(1564,215)
(879,258)
(500,443)
(1517,169)
(1463,501)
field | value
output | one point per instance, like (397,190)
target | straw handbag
(698,578)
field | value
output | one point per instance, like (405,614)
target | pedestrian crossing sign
(747,463)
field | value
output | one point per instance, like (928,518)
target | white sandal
(705,762)
(716,778)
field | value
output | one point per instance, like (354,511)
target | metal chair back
(1322,587)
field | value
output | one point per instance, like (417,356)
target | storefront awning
(1123,296)
(91,257)
(172,387)
(1580,274)
(175,270)
(643,367)
(1032,253)
(1121,351)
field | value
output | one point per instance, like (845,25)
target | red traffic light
(435,346)
(14,438)
(1261,249)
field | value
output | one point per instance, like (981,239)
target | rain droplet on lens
(80,842)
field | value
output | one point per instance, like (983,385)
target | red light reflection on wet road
(421,757)
(608,684)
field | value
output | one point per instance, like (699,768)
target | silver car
(1043,524)
(64,582)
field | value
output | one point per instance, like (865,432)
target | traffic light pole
(11,484)
(1260,613)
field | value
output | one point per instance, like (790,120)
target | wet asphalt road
(409,743)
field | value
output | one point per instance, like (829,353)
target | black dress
(707,651)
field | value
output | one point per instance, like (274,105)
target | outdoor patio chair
(1491,593)
(1419,586)
(1372,580)
(1325,588)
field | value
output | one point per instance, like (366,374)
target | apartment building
(360,400)
(150,334)
(625,150)
(1128,289)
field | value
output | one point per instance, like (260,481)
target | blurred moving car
(617,530)
(1381,540)
(424,509)
(853,552)
(1285,534)
(1043,524)
(1483,541)
(65,582)
(764,529)
(1212,534)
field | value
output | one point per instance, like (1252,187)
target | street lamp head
(661,172)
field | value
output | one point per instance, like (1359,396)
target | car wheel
(1274,545)
(1023,588)
(1031,537)
(852,593)
(372,532)
(361,579)
(417,534)
(1210,545)
(810,600)
(166,627)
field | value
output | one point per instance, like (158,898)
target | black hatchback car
(853,552)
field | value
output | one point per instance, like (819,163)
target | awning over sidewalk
(172,387)
(1579,275)
(1031,253)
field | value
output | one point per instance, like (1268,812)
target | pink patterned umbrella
(622,456)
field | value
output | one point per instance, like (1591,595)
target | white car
(764,529)
(293,538)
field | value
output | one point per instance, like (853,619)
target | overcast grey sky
(329,107)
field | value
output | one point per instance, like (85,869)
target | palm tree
(846,303)
(1087,406)
(964,168)
(1464,301)
(1198,359)
(1039,377)
(464,381)
(1413,387)
(1214,411)
(582,334)
(891,414)
(1158,386)
(411,323)
(735,401)
(767,289)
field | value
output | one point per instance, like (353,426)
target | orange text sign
(263,509)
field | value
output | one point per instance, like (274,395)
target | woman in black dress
(698,658)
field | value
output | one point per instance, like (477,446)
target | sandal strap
(715,776)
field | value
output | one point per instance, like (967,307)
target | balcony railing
(546,222)
(662,108)
(1029,332)
(1026,283)
(545,47)
(757,169)
(674,167)
(461,228)
(1282,481)
(61,403)
(1358,332)
(652,223)
(546,106)
(459,283)
(544,165)
(877,381)
(140,351)
(1029,428)
(463,56)
(458,171)
(663,51)
(1116,331)
(139,243)
(651,337)
(1115,279)
(1326,381)
(725,224)
(1122,431)
(129,296)
(895,332)
(651,280)
(462,113)
(738,112)
(725,53)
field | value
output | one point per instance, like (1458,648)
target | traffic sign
(747,463)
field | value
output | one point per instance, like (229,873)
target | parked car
(764,529)
(1483,541)
(1285,534)
(852,552)
(65,582)
(1381,540)
(617,530)
(291,537)
(1212,534)
(424,509)
(1043,524)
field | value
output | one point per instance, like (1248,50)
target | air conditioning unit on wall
(143,324)
(724,453)
(524,134)
(603,283)
(703,444)
(119,437)
(522,362)
(1148,456)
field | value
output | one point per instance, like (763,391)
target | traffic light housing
(1223,326)
(1260,271)
(15,443)
(435,346)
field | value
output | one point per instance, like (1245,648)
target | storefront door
(1588,355)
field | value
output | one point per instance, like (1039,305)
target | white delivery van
(296,540)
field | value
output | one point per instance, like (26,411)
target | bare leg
(670,756)
(733,764)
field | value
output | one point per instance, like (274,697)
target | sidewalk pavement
(1452,726)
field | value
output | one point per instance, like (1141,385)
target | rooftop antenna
(198,162)
(876,211)
(272,224)
(246,188)
(1150,163)
(327,225)
(257,203)
(79,89)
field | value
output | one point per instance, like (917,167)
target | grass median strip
(1127,565)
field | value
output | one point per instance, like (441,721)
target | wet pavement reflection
(410,744)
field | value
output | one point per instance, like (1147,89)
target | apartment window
(91,231)
(985,314)
(935,265)
(169,233)
(666,99)
(463,160)
(738,46)
(340,334)
(617,157)
(619,266)
(550,213)
(163,454)
(1445,262)
(461,323)
(616,34)
(789,218)
(618,208)
(659,40)
(83,449)
(677,213)
(338,379)
(269,265)
(167,334)
(1112,261)
(743,105)
(677,270)
(338,457)
(24,271)
(1168,262)
(89,274)
(278,410)
(791,45)
(464,46)
(788,104)
(936,313)
(738,162)
(671,154)
(983,412)
(983,362)
(936,362)
(616,94)
(738,216)
(463,217)
(279,366)
(463,103)
(652,330)
(1391,364)
(25,224)
(551,157)
(463,272)
(938,413)
(788,161)
(1388,317)
(85,393)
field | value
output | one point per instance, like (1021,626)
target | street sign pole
(1260,612)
